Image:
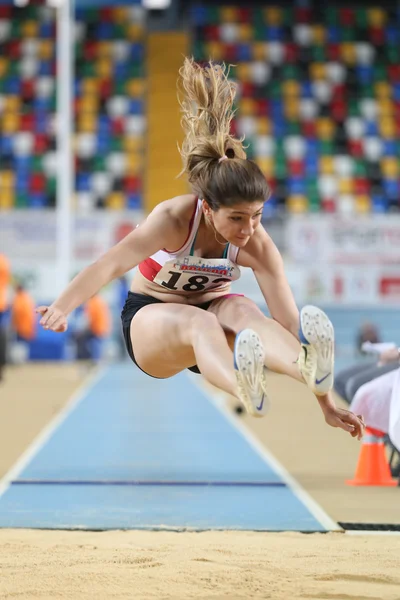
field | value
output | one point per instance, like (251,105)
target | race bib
(195,274)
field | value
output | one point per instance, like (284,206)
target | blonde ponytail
(207,111)
(206,98)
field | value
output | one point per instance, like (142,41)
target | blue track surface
(137,453)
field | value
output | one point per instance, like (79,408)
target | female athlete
(180,313)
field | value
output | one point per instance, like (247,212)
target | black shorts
(133,304)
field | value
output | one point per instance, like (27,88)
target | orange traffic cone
(373,467)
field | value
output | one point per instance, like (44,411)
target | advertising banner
(328,239)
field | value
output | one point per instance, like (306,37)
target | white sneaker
(316,359)
(250,372)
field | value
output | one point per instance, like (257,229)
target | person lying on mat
(350,379)
(379,400)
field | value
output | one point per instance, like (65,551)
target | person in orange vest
(5,277)
(98,325)
(23,319)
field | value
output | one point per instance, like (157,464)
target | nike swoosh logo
(306,353)
(261,403)
(318,381)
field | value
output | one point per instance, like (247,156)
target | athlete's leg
(281,348)
(167,338)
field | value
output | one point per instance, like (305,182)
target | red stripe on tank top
(149,268)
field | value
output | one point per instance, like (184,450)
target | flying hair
(206,97)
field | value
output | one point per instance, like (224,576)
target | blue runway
(137,453)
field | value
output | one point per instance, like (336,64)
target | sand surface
(232,565)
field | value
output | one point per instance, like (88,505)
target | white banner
(30,236)
(331,239)
(345,284)
(337,285)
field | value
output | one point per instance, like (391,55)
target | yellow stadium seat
(87,123)
(345,186)
(12,103)
(325,128)
(290,87)
(326,165)
(319,34)
(10,122)
(247,106)
(387,128)
(390,167)
(104,68)
(273,16)
(29,29)
(7,180)
(121,14)
(348,53)
(264,126)
(385,107)
(383,90)
(246,33)
(132,144)
(376,17)
(291,108)
(229,14)
(215,50)
(90,86)
(6,199)
(317,70)
(267,165)
(243,72)
(135,88)
(363,204)
(135,32)
(104,49)
(45,50)
(297,203)
(89,104)
(259,50)
(4,62)
(115,201)
(134,163)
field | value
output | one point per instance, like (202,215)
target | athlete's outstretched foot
(316,359)
(250,372)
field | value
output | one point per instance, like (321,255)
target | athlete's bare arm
(165,227)
(263,257)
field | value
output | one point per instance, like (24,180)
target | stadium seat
(320,98)
(109,91)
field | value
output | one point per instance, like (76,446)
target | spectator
(368,333)
(373,389)
(349,380)
(379,403)
(23,321)
(98,326)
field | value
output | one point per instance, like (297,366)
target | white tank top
(181,271)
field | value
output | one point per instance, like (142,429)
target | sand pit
(48,565)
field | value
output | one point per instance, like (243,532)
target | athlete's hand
(52,318)
(339,417)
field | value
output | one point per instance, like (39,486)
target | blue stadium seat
(133,201)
